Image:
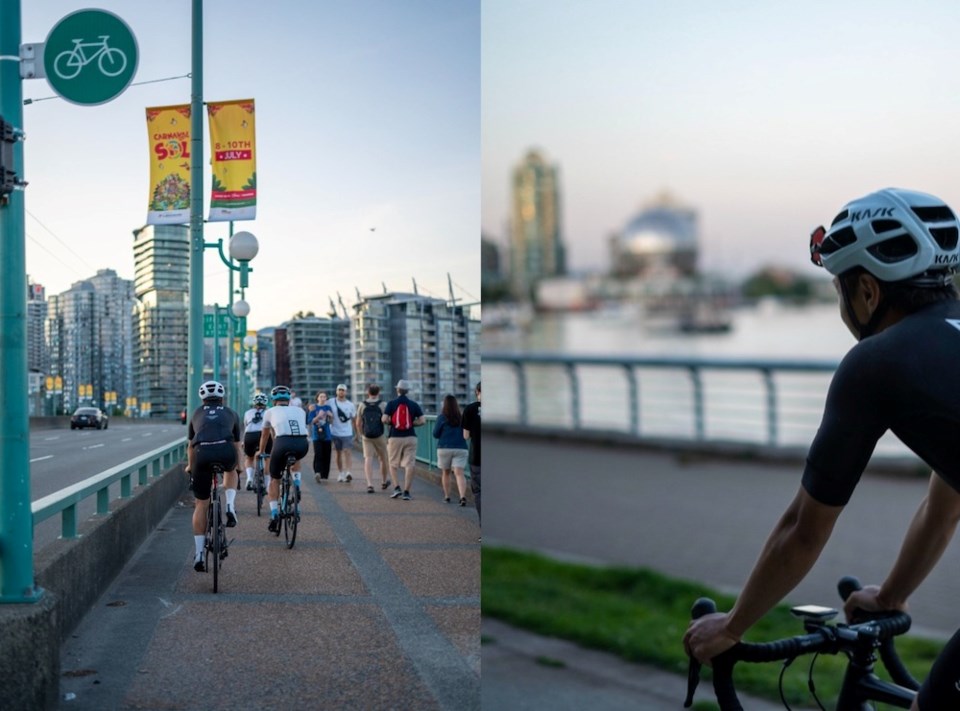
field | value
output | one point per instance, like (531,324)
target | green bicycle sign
(90,57)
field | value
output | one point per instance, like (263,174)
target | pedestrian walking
(319,418)
(471,432)
(373,437)
(451,448)
(342,430)
(402,414)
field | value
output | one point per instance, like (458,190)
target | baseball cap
(341,386)
(403,384)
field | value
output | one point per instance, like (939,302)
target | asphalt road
(61,457)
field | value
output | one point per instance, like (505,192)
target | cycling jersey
(253,419)
(213,423)
(286,420)
(902,379)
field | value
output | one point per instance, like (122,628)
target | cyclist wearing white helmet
(287,425)
(893,255)
(214,438)
(252,425)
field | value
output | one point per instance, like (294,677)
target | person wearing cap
(402,414)
(342,431)
(893,255)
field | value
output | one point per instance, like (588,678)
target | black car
(89,417)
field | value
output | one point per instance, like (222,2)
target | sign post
(90,57)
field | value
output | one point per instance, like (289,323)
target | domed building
(659,240)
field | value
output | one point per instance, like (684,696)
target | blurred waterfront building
(89,329)
(493,281)
(266,360)
(661,241)
(435,344)
(38,358)
(536,246)
(318,354)
(161,255)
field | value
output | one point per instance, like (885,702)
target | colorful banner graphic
(168,128)
(233,156)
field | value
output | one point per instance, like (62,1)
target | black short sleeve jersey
(213,423)
(903,379)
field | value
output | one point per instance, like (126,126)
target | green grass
(641,616)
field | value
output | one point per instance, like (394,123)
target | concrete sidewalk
(376,606)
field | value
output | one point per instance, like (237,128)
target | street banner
(233,157)
(168,128)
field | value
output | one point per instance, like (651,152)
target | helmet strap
(864,330)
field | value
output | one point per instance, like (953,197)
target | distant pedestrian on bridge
(402,414)
(893,254)
(451,448)
(319,418)
(471,431)
(370,425)
(342,429)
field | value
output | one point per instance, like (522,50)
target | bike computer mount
(814,613)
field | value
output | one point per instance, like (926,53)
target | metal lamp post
(249,343)
(241,309)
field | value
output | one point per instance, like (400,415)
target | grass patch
(641,616)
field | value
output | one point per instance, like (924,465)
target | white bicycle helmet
(211,390)
(280,392)
(260,400)
(896,235)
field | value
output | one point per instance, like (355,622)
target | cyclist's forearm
(790,551)
(927,537)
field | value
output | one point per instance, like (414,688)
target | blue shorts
(340,442)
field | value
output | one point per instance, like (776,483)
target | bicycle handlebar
(877,630)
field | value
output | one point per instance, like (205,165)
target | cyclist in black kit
(214,437)
(893,255)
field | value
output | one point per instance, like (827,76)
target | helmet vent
(838,218)
(946,237)
(940,213)
(894,250)
(881,226)
(843,237)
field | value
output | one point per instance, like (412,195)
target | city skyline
(764,119)
(367,137)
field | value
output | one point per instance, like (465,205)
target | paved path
(377,606)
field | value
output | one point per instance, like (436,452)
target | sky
(368,116)
(764,117)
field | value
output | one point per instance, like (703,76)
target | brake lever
(703,606)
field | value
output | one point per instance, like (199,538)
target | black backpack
(372,424)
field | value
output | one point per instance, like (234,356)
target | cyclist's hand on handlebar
(868,599)
(708,636)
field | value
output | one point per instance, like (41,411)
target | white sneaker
(348,477)
(340,477)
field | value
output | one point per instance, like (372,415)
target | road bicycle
(259,480)
(216,544)
(110,60)
(289,506)
(872,633)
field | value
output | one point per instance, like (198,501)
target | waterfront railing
(775,403)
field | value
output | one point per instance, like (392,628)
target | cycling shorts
(941,690)
(207,454)
(292,444)
(251,443)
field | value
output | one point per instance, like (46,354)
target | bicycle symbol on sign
(70,62)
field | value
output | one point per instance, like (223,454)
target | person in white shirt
(342,430)
(287,425)
(252,426)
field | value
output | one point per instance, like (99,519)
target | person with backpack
(402,414)
(341,428)
(374,437)
(451,449)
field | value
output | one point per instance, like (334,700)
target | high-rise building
(161,255)
(88,333)
(430,342)
(536,246)
(318,350)
(266,359)
(38,359)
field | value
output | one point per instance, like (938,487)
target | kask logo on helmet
(946,259)
(872,214)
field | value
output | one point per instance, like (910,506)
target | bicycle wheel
(258,485)
(215,543)
(291,516)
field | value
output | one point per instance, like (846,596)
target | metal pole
(216,342)
(16,519)
(231,385)
(195,333)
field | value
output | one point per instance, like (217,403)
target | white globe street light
(241,309)
(243,246)
(249,341)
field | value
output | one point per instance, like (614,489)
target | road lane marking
(148,434)
(126,439)
(94,446)
(40,459)
(50,439)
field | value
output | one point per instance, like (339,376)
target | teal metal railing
(65,501)
(426,443)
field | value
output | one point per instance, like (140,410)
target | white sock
(249,474)
(198,542)
(296,478)
(231,497)
(274,509)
